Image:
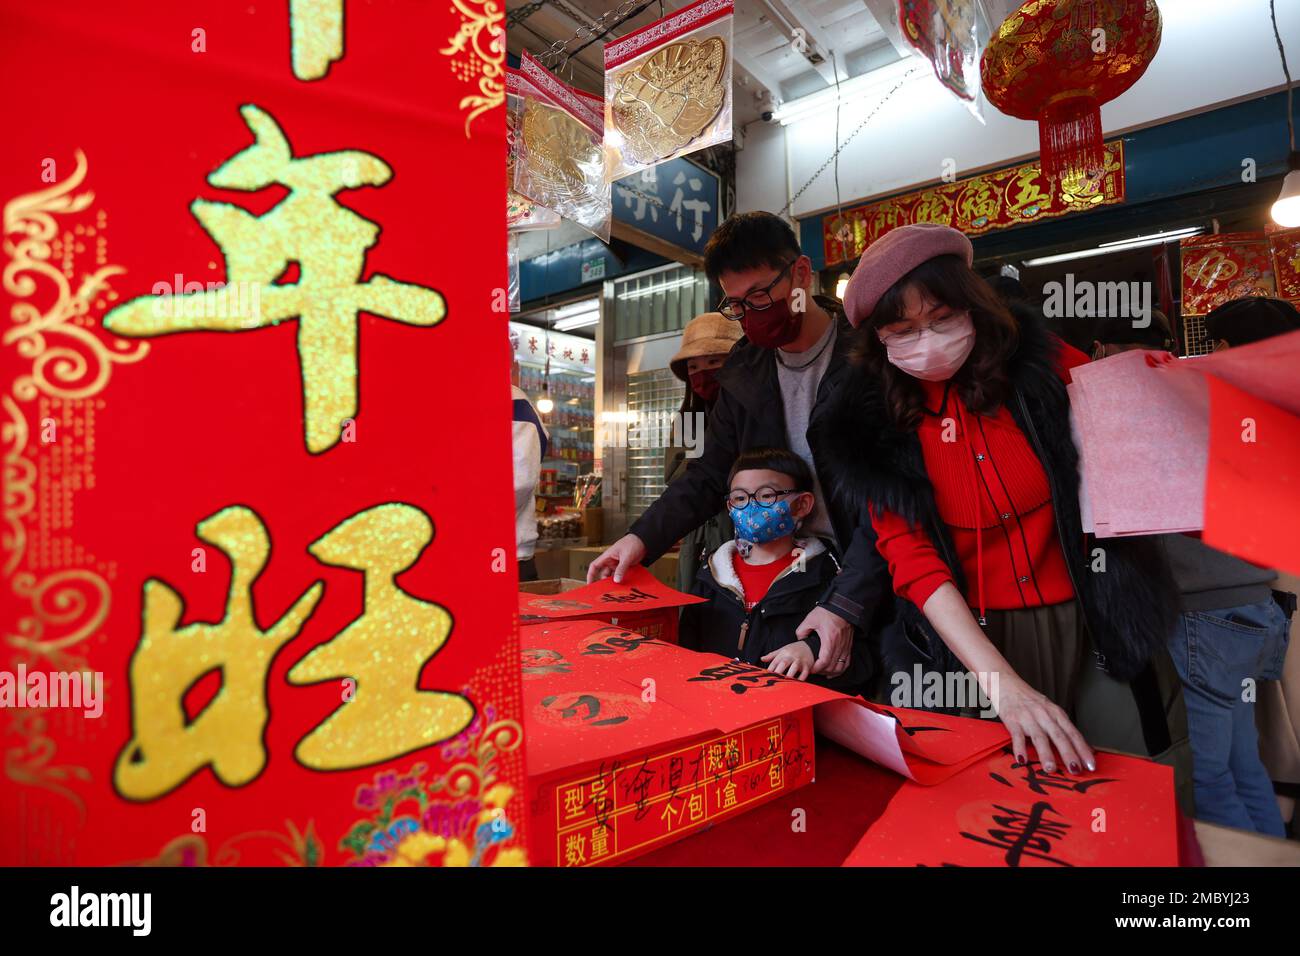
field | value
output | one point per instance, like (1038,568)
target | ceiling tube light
(580,321)
(576,308)
(862,85)
(1122,245)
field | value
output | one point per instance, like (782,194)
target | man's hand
(793,660)
(617,558)
(837,640)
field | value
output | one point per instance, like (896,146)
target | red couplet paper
(639,591)
(1253,478)
(921,745)
(248,287)
(1000,812)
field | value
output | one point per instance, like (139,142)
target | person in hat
(776,383)
(706,341)
(952,434)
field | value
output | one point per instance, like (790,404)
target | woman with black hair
(953,442)
(706,341)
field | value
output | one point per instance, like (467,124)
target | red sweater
(993,495)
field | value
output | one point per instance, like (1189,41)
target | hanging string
(1290,120)
(848,139)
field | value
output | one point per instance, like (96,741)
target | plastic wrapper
(947,34)
(668,88)
(560,161)
(521,212)
(512,274)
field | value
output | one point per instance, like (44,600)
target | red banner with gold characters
(1219,268)
(980,204)
(258,543)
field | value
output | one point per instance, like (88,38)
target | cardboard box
(634,743)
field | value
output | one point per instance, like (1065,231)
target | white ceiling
(774,61)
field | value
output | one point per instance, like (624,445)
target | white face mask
(936,356)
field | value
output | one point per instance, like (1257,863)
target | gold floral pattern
(478,54)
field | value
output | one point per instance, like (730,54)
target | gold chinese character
(575,850)
(599,841)
(727,795)
(316,29)
(573,802)
(165,748)
(328,242)
(384,649)
(1028,193)
(695,806)
(774,774)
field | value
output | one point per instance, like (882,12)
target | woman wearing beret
(706,341)
(953,443)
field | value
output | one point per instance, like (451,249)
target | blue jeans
(1215,653)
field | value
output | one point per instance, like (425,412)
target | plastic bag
(521,212)
(560,162)
(512,278)
(668,88)
(946,33)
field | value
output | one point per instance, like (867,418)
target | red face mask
(773,327)
(705,384)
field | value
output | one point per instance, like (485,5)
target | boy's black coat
(1129,609)
(715,627)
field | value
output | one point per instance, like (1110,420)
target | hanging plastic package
(521,212)
(559,162)
(512,267)
(668,88)
(946,33)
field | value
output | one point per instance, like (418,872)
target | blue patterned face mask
(761,525)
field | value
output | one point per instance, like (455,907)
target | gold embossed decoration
(559,162)
(521,212)
(669,98)
(668,88)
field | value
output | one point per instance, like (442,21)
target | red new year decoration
(1058,61)
(234,313)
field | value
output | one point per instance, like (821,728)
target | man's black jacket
(750,414)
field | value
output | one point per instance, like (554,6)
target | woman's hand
(1028,714)
(794,660)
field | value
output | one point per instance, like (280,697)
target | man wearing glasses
(775,383)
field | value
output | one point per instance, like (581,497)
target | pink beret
(893,256)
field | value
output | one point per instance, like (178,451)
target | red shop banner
(258,608)
(976,205)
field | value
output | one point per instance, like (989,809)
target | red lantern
(1057,61)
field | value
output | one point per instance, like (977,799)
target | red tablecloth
(848,795)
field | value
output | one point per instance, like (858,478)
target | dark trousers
(527,570)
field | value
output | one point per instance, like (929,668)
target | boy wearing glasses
(762,585)
(776,384)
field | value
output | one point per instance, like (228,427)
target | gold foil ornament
(669,99)
(561,154)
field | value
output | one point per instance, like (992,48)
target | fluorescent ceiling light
(1120,245)
(661,287)
(861,86)
(576,308)
(579,321)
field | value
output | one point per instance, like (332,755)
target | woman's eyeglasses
(766,497)
(758,300)
(912,333)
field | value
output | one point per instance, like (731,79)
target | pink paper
(1142,446)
